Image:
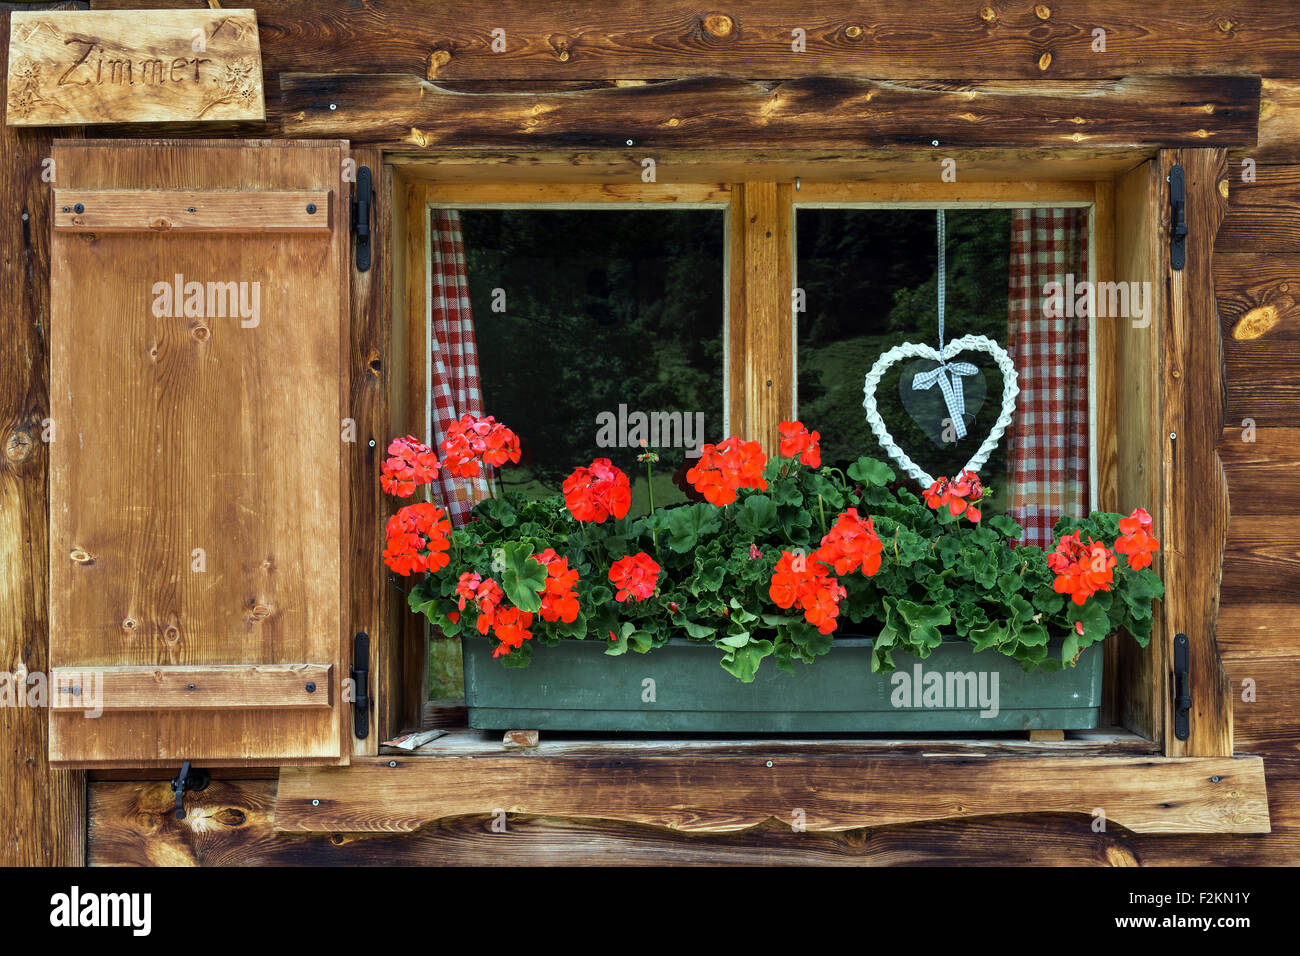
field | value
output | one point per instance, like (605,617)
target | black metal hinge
(1177,218)
(191,780)
(362,203)
(361,685)
(1182,690)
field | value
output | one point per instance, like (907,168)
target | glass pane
(597,328)
(870,282)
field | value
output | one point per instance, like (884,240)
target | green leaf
(688,523)
(524,578)
(736,640)
(1005,527)
(756,515)
(742,662)
(870,472)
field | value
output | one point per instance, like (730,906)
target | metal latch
(188,779)
(1182,691)
(362,203)
(361,685)
(1177,218)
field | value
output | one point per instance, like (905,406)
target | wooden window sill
(719,785)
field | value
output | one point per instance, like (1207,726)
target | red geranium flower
(635,576)
(1081,569)
(1135,539)
(851,544)
(472,440)
(418,539)
(410,463)
(798,580)
(511,629)
(597,491)
(798,442)
(559,600)
(485,594)
(959,494)
(725,468)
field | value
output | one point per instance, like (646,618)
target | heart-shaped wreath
(976,343)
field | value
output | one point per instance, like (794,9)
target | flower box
(575,686)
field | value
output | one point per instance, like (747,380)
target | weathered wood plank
(1261,467)
(1263,379)
(766,221)
(1259,295)
(625,39)
(1262,561)
(210,687)
(722,794)
(74,67)
(1264,215)
(818,113)
(1257,629)
(177,211)
(1193,400)
(42,811)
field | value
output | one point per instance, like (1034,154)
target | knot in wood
(988,14)
(129,624)
(200,332)
(1045,61)
(561,44)
(1042,11)
(853,31)
(172,635)
(260,612)
(437,60)
(81,556)
(717,24)
(161,224)
(18,446)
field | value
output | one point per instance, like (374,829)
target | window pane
(596,328)
(870,280)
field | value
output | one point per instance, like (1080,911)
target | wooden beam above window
(403,111)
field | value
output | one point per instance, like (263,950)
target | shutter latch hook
(188,779)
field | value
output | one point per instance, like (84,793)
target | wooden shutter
(197,576)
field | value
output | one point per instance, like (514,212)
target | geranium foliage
(792,555)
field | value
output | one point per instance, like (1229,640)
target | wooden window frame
(1142,777)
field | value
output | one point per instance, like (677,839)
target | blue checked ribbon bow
(949,374)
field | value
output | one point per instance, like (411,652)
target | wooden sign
(148,66)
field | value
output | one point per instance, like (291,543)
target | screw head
(189,687)
(392,763)
(1215,779)
(311,687)
(78,208)
(769,763)
(372,443)
(334,106)
(630,143)
(934,142)
(311,209)
(315,803)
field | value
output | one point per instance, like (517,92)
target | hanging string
(948,375)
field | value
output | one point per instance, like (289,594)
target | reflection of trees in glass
(603,307)
(870,278)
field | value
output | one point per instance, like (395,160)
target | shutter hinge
(188,779)
(1182,691)
(361,685)
(362,204)
(1177,218)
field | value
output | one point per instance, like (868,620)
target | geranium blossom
(472,440)
(959,495)
(1135,539)
(559,600)
(511,628)
(635,576)
(484,593)
(595,492)
(851,543)
(410,463)
(725,468)
(798,442)
(418,539)
(798,580)
(1081,569)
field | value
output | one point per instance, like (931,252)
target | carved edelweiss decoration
(237,84)
(25,94)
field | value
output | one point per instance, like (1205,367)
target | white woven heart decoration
(975,343)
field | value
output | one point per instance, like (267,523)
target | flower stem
(650,490)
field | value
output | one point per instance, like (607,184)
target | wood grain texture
(815,113)
(1261,467)
(1195,506)
(1264,215)
(1259,295)
(1279,124)
(834,167)
(766,353)
(1259,629)
(42,811)
(721,794)
(209,687)
(74,67)
(624,39)
(370,368)
(1262,561)
(1139,672)
(177,434)
(124,210)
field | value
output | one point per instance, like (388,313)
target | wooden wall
(1258,287)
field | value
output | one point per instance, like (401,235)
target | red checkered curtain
(454,386)
(1047,450)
